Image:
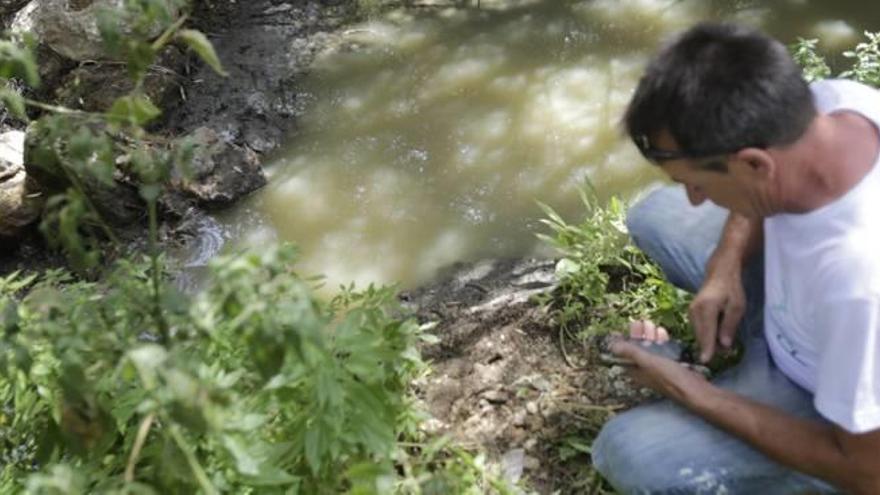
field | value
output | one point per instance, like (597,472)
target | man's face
(728,188)
(720,187)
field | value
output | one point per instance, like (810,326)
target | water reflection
(433,131)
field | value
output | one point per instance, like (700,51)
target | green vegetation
(866,64)
(113,381)
(865,58)
(814,66)
(604,280)
(252,386)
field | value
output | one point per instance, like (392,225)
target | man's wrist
(737,241)
(727,263)
(702,398)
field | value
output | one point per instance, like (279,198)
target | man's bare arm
(847,460)
(740,238)
(720,303)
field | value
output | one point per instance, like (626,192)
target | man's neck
(836,153)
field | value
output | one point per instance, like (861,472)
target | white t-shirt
(822,277)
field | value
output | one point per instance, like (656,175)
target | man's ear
(756,162)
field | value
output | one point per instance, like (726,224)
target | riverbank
(505,382)
(246,114)
(501,382)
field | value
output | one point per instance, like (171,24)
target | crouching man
(784,255)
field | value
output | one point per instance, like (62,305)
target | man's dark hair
(718,88)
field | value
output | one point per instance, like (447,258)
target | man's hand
(819,449)
(718,308)
(662,375)
(721,302)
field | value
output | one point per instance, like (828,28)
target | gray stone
(94,87)
(222,172)
(512,465)
(118,203)
(532,407)
(8,7)
(495,396)
(20,199)
(69,27)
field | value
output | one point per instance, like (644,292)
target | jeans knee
(617,454)
(638,224)
(648,219)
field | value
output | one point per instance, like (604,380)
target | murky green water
(431,133)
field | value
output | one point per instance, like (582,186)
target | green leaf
(147,359)
(579,445)
(14,103)
(133,110)
(9,318)
(19,62)
(199,43)
(566,266)
(92,155)
(314,447)
(245,461)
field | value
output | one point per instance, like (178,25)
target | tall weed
(604,280)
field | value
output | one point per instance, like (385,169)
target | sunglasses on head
(657,155)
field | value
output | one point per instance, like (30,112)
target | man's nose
(695,195)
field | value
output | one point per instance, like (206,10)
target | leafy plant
(604,280)
(257,386)
(126,385)
(79,155)
(814,66)
(865,60)
(866,64)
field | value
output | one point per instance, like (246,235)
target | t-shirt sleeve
(848,385)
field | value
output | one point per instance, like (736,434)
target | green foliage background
(113,381)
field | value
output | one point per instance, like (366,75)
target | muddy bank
(265,46)
(500,381)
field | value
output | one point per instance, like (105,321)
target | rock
(512,465)
(487,373)
(70,28)
(20,199)
(534,381)
(118,203)
(52,67)
(9,7)
(495,396)
(222,172)
(94,87)
(532,407)
(531,463)
(519,419)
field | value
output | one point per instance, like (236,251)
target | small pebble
(532,407)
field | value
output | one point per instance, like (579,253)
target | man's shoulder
(831,94)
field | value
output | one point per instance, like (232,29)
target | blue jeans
(661,448)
